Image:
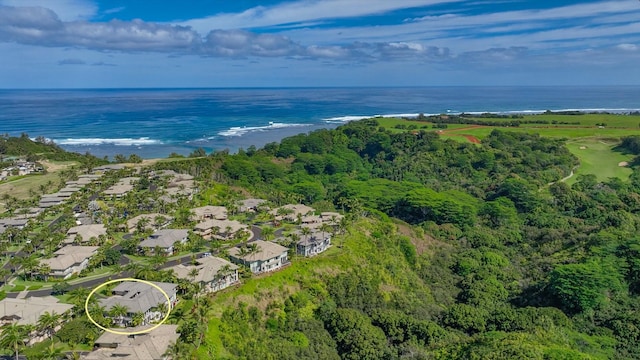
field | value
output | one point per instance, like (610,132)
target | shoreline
(155,150)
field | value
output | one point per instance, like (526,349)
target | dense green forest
(516,265)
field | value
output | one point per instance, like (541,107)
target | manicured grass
(559,132)
(597,157)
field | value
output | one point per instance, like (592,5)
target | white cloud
(67,10)
(303,11)
(628,47)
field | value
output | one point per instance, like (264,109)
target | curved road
(256,233)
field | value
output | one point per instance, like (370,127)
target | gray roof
(164,238)
(208,267)
(138,297)
(266,250)
(13,222)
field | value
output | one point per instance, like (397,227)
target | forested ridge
(485,259)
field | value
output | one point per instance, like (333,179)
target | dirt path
(472,139)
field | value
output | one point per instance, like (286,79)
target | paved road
(92,283)
(256,234)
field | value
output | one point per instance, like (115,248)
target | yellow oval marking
(164,293)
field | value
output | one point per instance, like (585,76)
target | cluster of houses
(19,168)
(143,302)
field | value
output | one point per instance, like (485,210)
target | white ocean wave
(348,118)
(242,130)
(103,141)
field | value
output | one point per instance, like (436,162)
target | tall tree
(13,337)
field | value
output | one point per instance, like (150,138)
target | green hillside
(453,252)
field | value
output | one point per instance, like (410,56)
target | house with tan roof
(250,205)
(210,212)
(220,229)
(291,212)
(124,186)
(213,273)
(28,311)
(141,298)
(165,239)
(86,232)
(261,256)
(146,346)
(69,260)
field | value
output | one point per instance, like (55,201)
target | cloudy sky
(243,43)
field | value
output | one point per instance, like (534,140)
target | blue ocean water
(157,122)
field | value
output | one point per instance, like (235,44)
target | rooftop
(147,346)
(28,311)
(69,256)
(137,296)
(208,267)
(266,250)
(164,238)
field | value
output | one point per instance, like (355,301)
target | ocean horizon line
(323,87)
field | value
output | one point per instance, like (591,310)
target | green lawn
(598,157)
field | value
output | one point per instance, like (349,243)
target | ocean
(156,122)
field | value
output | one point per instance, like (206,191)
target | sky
(309,43)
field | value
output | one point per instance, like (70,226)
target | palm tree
(306,232)
(253,249)
(141,226)
(44,270)
(162,308)
(193,273)
(52,352)
(119,312)
(13,337)
(268,232)
(158,259)
(97,314)
(177,351)
(137,319)
(47,322)
(325,228)
(78,295)
(29,264)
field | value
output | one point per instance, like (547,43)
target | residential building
(210,212)
(313,244)
(146,346)
(250,205)
(331,218)
(164,239)
(213,273)
(121,188)
(142,298)
(15,222)
(267,256)
(221,229)
(69,260)
(293,212)
(109,167)
(28,311)
(86,232)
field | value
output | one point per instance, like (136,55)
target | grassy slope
(19,188)
(354,248)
